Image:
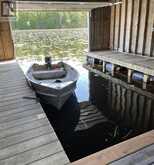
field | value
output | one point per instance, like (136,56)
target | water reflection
(114,113)
(127,107)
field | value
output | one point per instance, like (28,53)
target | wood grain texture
(152,44)
(135,27)
(6,42)
(138,63)
(122,26)
(149,24)
(135,21)
(117,26)
(112,27)
(100,29)
(142,26)
(26,135)
(128,25)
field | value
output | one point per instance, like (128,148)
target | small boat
(54,83)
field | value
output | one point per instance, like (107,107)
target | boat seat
(49,74)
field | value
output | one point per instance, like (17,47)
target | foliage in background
(58,34)
(50,20)
(57,43)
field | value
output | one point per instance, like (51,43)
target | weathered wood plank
(112,27)
(18,138)
(21,121)
(26,134)
(117,26)
(23,128)
(13,84)
(6,41)
(20,115)
(16,103)
(138,63)
(52,159)
(135,22)
(150,16)
(17,94)
(122,26)
(118,151)
(42,154)
(100,29)
(143,156)
(8,112)
(15,97)
(152,47)
(142,26)
(27,145)
(128,26)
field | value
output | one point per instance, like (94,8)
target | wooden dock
(131,62)
(26,136)
(134,62)
(116,152)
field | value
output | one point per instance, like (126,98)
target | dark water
(129,113)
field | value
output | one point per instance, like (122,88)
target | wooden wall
(99,29)
(6,42)
(131,27)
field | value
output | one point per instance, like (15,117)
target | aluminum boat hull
(51,92)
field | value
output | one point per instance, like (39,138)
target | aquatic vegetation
(57,43)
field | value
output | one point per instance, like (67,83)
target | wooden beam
(142,26)
(6,42)
(135,21)
(130,71)
(152,45)
(117,151)
(149,29)
(128,26)
(117,26)
(112,27)
(60,5)
(122,26)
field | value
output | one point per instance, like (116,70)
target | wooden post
(145,81)
(93,62)
(130,71)
(103,67)
(113,69)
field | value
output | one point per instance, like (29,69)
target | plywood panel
(100,28)
(6,42)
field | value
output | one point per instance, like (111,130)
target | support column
(103,67)
(93,62)
(113,69)
(130,72)
(145,81)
